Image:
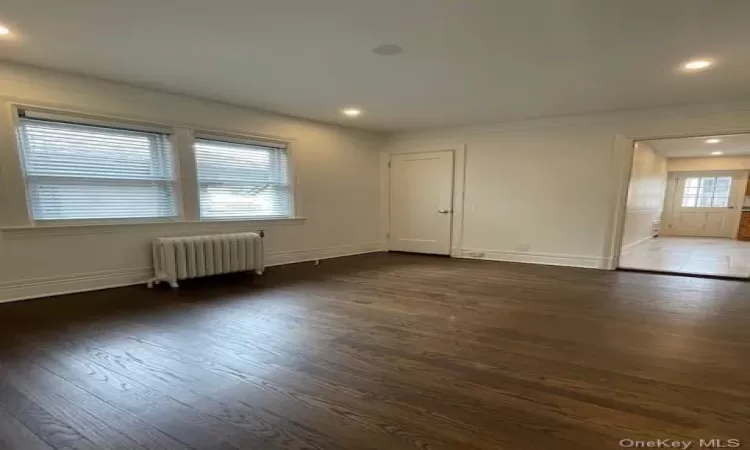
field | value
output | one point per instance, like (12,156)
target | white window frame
(247,140)
(95,121)
(700,190)
(16,216)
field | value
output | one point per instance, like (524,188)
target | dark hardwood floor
(382,351)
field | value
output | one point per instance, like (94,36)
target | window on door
(706,192)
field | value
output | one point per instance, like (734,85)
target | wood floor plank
(15,435)
(183,394)
(47,427)
(184,423)
(208,382)
(99,421)
(569,385)
(381,351)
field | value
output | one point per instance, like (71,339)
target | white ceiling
(731,145)
(465,62)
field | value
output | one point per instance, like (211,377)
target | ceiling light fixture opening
(388,50)
(717,153)
(4,31)
(697,64)
(713,141)
(351,112)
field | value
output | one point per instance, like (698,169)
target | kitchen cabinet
(744,232)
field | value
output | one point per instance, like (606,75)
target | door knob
(443,211)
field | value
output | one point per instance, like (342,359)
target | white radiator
(180,258)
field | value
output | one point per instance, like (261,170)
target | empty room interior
(336,224)
(688,207)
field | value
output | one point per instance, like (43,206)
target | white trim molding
(550,259)
(459,184)
(296,256)
(17,210)
(623,152)
(68,284)
(628,247)
(219,226)
(92,281)
(95,114)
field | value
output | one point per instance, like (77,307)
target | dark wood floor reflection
(382,351)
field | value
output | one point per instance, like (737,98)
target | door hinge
(387,235)
(389,164)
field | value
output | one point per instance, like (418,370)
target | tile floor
(705,256)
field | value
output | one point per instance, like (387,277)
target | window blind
(245,180)
(76,171)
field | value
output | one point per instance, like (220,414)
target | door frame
(459,178)
(673,179)
(623,152)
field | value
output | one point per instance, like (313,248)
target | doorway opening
(688,207)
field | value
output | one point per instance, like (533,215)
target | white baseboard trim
(631,246)
(68,284)
(280,258)
(551,259)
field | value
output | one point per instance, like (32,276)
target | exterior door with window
(704,205)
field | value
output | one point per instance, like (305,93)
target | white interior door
(422,202)
(704,205)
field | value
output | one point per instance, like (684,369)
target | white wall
(553,191)
(714,163)
(645,202)
(336,170)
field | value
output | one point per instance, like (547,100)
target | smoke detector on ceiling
(388,50)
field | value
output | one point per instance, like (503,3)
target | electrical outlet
(476,254)
(523,247)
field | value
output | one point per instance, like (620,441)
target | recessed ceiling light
(713,141)
(717,153)
(697,64)
(4,31)
(351,112)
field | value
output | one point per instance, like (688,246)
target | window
(76,171)
(242,180)
(706,192)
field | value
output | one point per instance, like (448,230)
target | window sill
(61,228)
